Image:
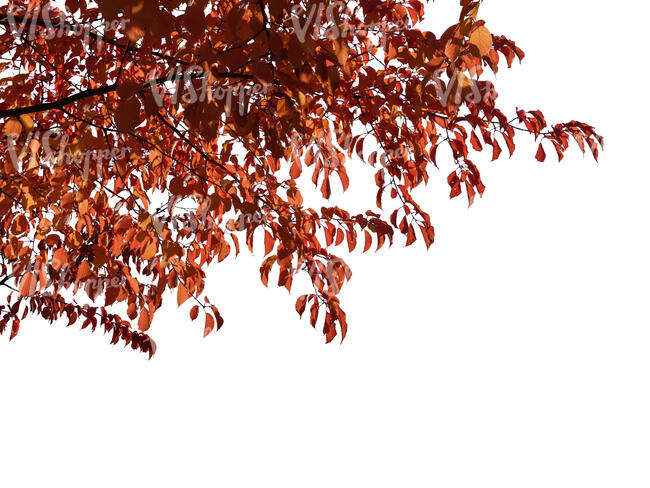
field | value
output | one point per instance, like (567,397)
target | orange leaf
(84,271)
(145,320)
(481,39)
(209,324)
(342,51)
(27,285)
(60,259)
(452,50)
(268,242)
(182,295)
(150,249)
(12,128)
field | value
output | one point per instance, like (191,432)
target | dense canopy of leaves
(144,139)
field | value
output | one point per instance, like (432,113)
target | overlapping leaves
(135,156)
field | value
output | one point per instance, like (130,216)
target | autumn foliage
(143,140)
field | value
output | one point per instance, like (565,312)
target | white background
(515,353)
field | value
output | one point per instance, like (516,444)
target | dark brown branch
(58,104)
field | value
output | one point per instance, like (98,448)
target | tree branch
(58,104)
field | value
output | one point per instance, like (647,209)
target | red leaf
(127,115)
(300,304)
(194,313)
(15,326)
(410,236)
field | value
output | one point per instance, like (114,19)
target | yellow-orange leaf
(12,128)
(44,227)
(481,39)
(150,249)
(28,122)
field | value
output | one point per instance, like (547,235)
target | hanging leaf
(481,39)
(194,313)
(27,285)
(209,325)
